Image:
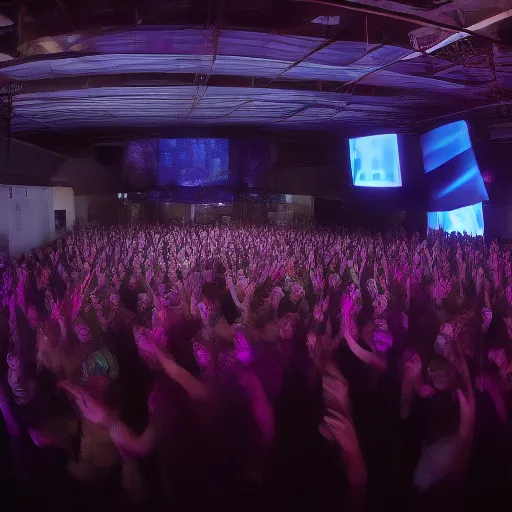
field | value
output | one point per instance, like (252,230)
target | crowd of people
(167,364)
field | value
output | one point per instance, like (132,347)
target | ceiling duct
(426,37)
(424,4)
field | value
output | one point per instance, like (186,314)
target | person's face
(380,305)
(13,361)
(142,303)
(371,285)
(83,333)
(297,292)
(276,296)
(440,379)
(442,345)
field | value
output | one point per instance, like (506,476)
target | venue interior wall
(22,163)
(64,200)
(311,163)
(27,218)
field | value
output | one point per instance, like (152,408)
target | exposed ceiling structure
(89,67)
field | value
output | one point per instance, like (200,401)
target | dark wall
(495,162)
(305,163)
(411,196)
(25,164)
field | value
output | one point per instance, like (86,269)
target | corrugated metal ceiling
(423,86)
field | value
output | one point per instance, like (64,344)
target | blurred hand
(90,408)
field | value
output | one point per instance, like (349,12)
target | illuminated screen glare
(453,177)
(445,143)
(375,161)
(469,219)
(193,162)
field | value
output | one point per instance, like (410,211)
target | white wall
(64,199)
(82,208)
(26,215)
(4,219)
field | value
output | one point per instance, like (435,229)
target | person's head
(83,333)
(13,361)
(143,302)
(297,292)
(287,325)
(276,295)
(380,305)
(371,286)
(334,281)
(441,374)
(114,300)
(381,338)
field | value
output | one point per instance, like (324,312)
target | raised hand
(90,408)
(335,390)
(343,430)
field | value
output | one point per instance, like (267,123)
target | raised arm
(366,356)
(232,290)
(195,388)
(125,439)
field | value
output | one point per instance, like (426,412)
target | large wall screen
(375,161)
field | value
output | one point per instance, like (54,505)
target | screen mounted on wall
(453,178)
(375,161)
(193,162)
(469,219)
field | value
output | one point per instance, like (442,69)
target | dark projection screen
(193,162)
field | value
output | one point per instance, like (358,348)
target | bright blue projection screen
(375,161)
(193,162)
(452,178)
(469,219)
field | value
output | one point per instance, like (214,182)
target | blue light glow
(470,174)
(375,161)
(469,219)
(193,162)
(453,178)
(444,143)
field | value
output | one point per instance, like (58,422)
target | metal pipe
(410,18)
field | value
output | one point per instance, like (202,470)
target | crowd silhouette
(172,365)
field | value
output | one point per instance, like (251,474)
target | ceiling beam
(411,18)
(49,85)
(449,40)
(481,25)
